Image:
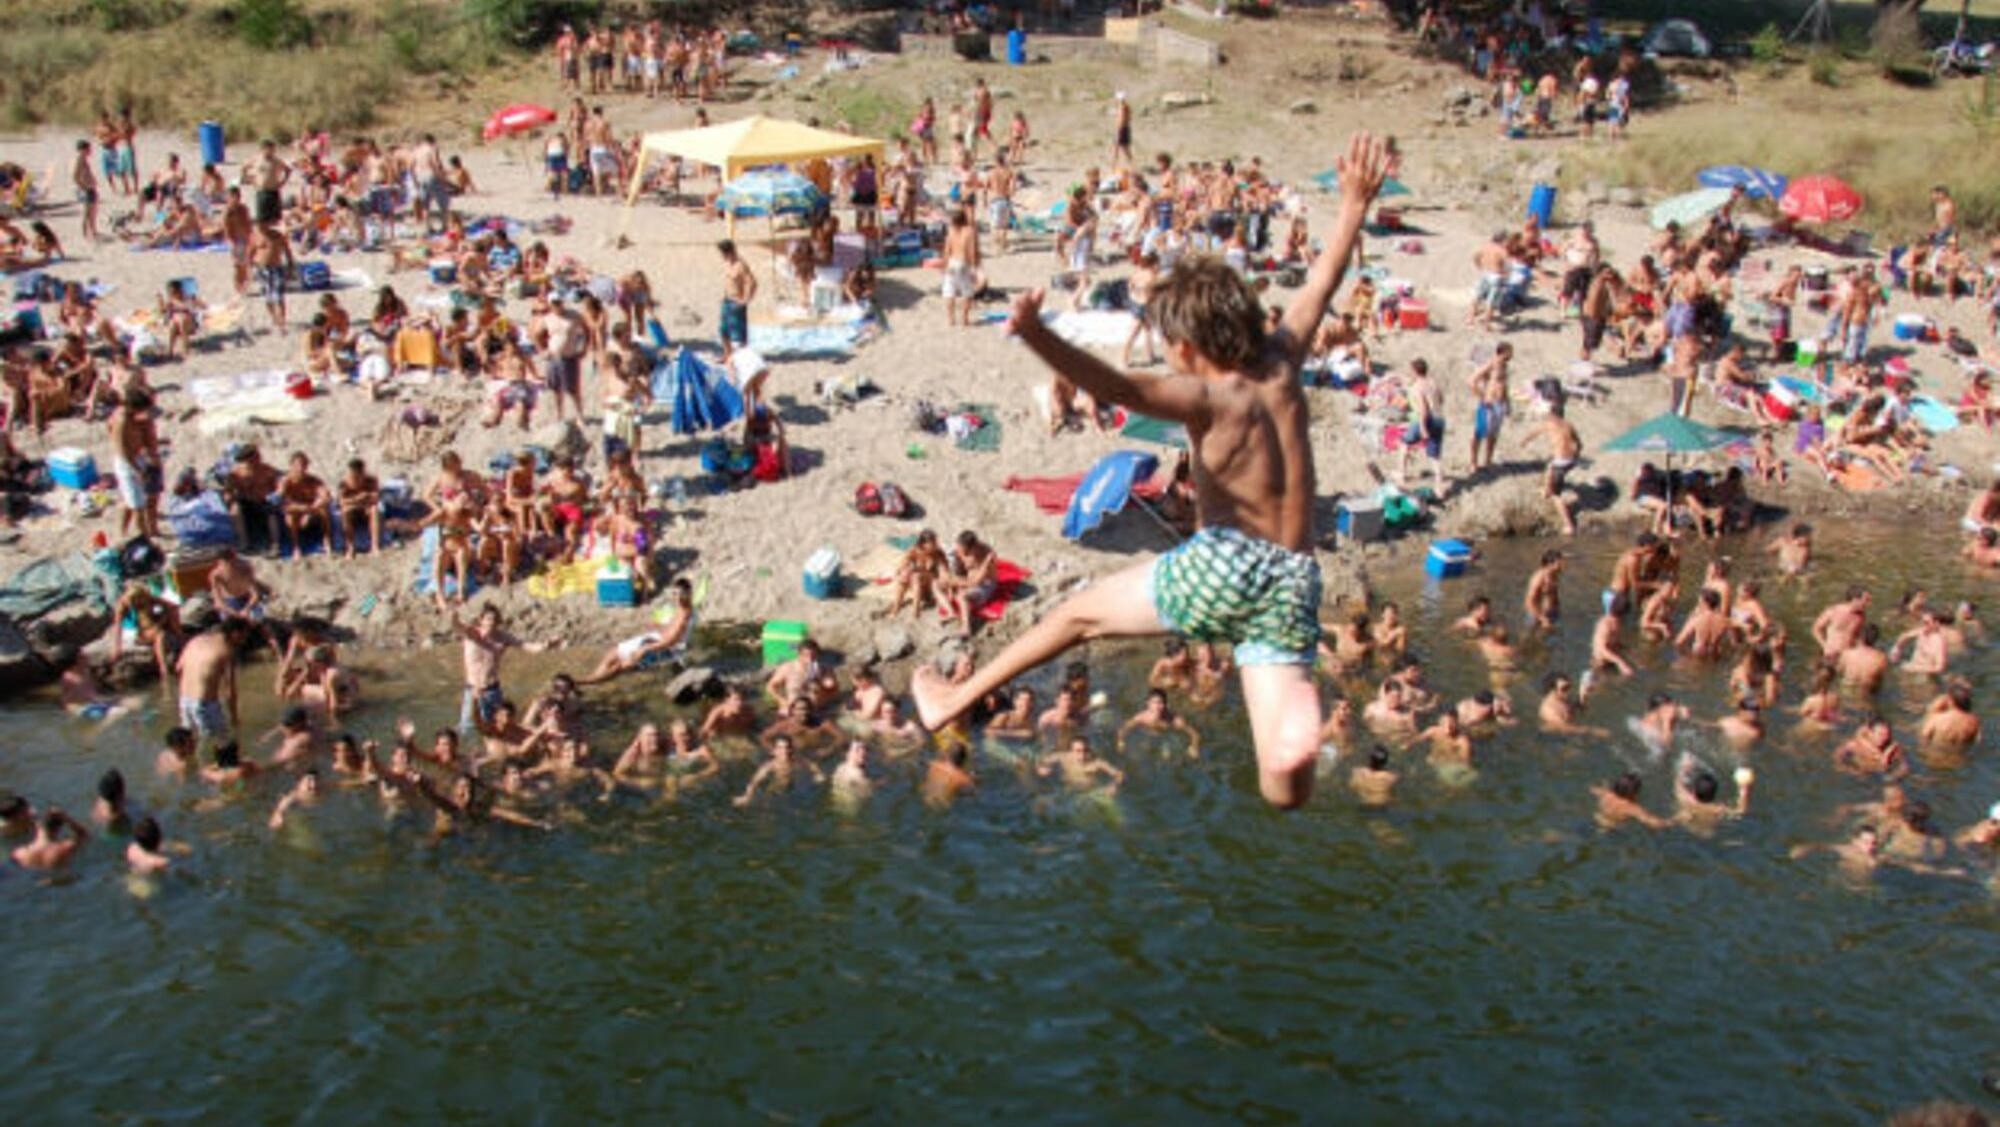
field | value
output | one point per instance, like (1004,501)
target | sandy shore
(750,544)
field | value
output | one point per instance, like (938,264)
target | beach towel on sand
(1007,577)
(984,438)
(427,549)
(578,577)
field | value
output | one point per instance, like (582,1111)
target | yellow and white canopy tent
(749,143)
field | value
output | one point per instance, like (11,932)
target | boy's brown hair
(1208,305)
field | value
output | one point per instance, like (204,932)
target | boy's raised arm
(1362,171)
(1176,400)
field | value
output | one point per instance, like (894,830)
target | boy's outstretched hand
(1027,311)
(1363,169)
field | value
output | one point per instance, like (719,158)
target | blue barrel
(1542,204)
(210,133)
(1017,47)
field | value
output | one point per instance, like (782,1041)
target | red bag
(868,499)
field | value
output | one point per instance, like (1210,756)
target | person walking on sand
(271,254)
(1248,575)
(739,288)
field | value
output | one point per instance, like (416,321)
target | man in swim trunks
(208,705)
(238,596)
(267,174)
(1488,385)
(271,256)
(1426,429)
(1491,259)
(634,652)
(961,269)
(971,583)
(1565,448)
(135,463)
(485,643)
(739,288)
(1248,575)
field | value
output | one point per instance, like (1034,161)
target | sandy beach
(749,545)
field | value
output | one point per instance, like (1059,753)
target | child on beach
(1248,575)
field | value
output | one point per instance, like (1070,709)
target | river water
(1479,953)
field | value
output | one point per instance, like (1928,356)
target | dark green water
(1478,954)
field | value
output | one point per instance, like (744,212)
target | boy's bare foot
(928,689)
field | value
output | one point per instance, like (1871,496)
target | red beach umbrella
(517,118)
(1820,199)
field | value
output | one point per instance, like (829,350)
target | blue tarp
(201,521)
(1105,489)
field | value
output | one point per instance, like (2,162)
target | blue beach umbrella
(770,192)
(700,397)
(1757,183)
(1105,489)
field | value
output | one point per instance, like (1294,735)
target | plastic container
(1911,326)
(1360,518)
(72,468)
(315,275)
(1413,314)
(1447,559)
(822,574)
(209,133)
(1542,204)
(1017,48)
(781,640)
(444,272)
(614,587)
(298,385)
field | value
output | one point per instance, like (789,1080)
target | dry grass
(1891,142)
(176,63)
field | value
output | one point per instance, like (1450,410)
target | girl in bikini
(454,551)
(500,541)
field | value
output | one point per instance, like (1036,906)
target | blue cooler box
(73,468)
(822,574)
(614,587)
(1360,518)
(1447,559)
(315,275)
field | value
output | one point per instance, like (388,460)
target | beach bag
(894,504)
(924,416)
(140,557)
(714,456)
(765,467)
(868,499)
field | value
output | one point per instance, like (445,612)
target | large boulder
(693,684)
(20,667)
(891,642)
(69,628)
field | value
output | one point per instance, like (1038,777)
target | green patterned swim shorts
(1228,586)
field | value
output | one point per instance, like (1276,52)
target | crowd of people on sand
(1197,248)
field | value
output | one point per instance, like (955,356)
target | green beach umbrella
(1329,181)
(1671,434)
(1689,209)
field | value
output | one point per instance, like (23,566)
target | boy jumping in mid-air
(1248,576)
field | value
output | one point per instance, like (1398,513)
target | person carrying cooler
(1248,575)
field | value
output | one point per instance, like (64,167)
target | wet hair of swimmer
(1551,680)
(1626,786)
(111,787)
(1917,816)
(1657,700)
(1174,647)
(1703,786)
(13,806)
(958,755)
(229,756)
(295,718)
(1156,695)
(1378,758)
(147,834)
(1483,698)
